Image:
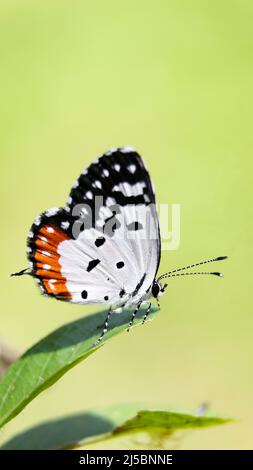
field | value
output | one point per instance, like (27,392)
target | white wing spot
(28,249)
(65,225)
(98,184)
(51,283)
(76,184)
(132,168)
(117,167)
(46,253)
(67,209)
(111,151)
(89,195)
(46,266)
(37,220)
(30,234)
(69,200)
(50,230)
(44,239)
(84,172)
(127,149)
(52,211)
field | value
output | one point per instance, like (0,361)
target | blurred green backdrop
(173,79)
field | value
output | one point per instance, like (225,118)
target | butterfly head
(158,289)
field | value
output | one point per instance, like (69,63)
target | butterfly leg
(105,327)
(162,291)
(133,316)
(22,272)
(147,313)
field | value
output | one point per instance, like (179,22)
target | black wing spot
(134,226)
(123,200)
(100,241)
(84,294)
(92,264)
(120,264)
(122,292)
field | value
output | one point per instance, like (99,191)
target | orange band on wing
(48,268)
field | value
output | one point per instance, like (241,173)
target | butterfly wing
(104,246)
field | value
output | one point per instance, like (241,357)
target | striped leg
(22,272)
(146,314)
(133,316)
(105,327)
(162,290)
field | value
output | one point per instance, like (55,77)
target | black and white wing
(104,245)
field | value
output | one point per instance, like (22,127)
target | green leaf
(157,425)
(66,431)
(147,420)
(98,426)
(60,433)
(49,359)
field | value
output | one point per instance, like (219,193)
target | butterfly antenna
(176,273)
(22,272)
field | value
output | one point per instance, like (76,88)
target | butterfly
(104,246)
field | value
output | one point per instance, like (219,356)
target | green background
(173,79)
